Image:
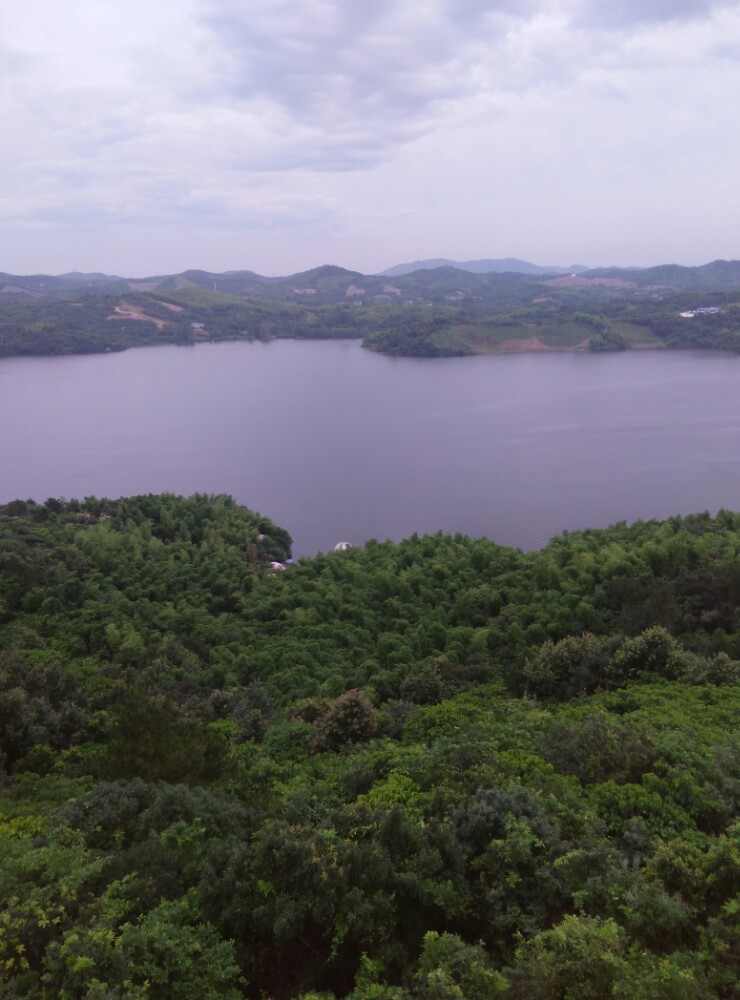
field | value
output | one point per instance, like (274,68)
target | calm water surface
(335,443)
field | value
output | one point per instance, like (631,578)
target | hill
(718,275)
(434,311)
(440,768)
(435,276)
(485,266)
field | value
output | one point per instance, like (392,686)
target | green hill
(441,768)
(430,312)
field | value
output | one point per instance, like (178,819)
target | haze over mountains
(485,266)
(434,279)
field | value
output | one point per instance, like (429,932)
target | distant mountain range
(436,281)
(486,266)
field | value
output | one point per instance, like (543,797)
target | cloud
(327,117)
(365,77)
(625,14)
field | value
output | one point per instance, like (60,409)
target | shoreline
(531,345)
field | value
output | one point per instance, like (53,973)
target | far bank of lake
(334,442)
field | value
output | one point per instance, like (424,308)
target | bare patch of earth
(530,344)
(637,340)
(521,345)
(126,311)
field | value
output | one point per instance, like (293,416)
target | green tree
(348,720)
(450,969)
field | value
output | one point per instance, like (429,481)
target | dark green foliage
(605,337)
(573,666)
(41,704)
(152,741)
(436,770)
(600,747)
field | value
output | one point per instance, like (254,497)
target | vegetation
(434,770)
(431,313)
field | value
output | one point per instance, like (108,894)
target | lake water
(336,443)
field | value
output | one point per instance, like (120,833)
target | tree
(450,969)
(582,958)
(348,720)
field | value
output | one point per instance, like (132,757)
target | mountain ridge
(483,266)
(328,279)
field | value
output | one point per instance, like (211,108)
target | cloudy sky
(275,135)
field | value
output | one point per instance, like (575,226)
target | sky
(277,135)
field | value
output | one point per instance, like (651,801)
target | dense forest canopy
(434,770)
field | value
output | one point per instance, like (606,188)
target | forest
(439,769)
(429,313)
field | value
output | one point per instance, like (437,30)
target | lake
(335,443)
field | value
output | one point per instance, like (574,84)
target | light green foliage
(579,959)
(368,984)
(45,879)
(449,969)
(167,953)
(586,959)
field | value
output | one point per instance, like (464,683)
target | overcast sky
(275,135)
